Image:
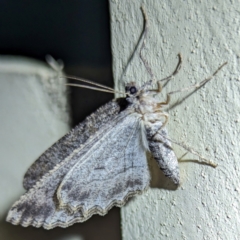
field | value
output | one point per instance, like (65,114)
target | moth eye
(133,90)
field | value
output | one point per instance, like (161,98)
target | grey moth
(100,163)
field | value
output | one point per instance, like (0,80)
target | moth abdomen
(162,152)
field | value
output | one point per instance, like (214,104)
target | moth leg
(164,103)
(177,69)
(159,88)
(199,84)
(202,159)
(155,118)
(159,85)
(161,127)
(165,122)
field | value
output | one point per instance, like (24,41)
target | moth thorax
(147,104)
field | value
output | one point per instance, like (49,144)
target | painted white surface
(207,204)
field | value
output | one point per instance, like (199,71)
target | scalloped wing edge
(91,212)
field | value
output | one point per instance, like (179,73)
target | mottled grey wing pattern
(162,152)
(105,172)
(65,146)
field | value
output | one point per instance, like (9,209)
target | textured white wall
(207,204)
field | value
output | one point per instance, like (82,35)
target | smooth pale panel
(206,205)
(33,111)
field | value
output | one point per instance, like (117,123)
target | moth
(102,162)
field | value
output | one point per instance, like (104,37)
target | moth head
(132,91)
(131,88)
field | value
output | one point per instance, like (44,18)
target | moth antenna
(191,150)
(87,81)
(145,31)
(142,37)
(200,84)
(94,88)
(148,68)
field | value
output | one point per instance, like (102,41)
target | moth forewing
(109,168)
(66,145)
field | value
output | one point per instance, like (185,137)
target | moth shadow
(196,161)
(97,227)
(158,179)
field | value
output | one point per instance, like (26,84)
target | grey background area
(33,108)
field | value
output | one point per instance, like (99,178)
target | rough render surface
(207,204)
